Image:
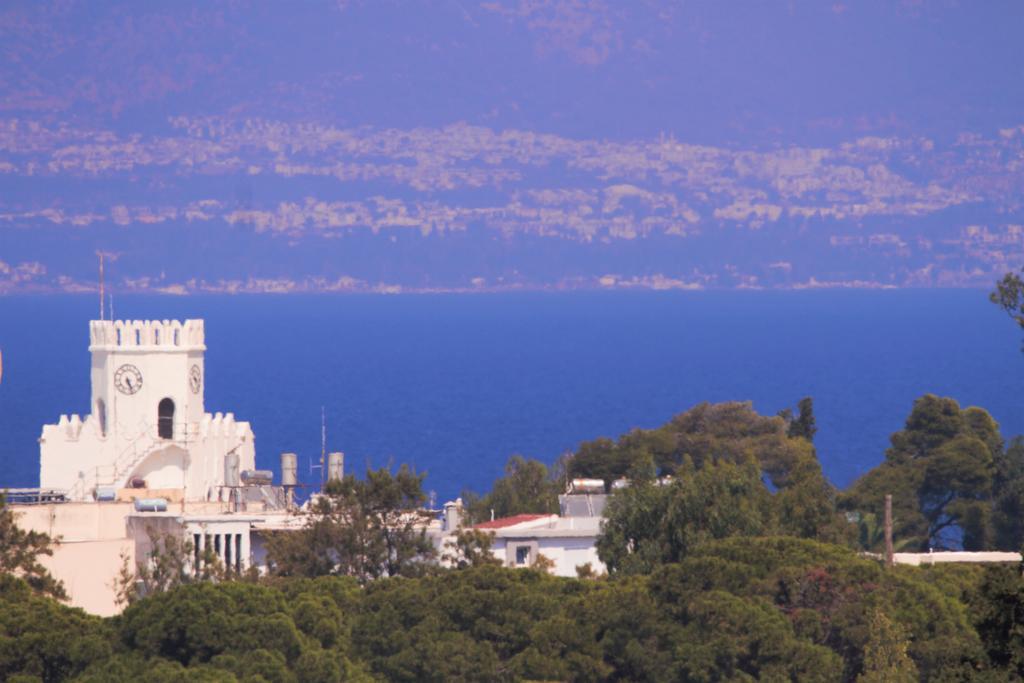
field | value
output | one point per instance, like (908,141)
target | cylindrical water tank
(151,505)
(587,486)
(453,515)
(231,469)
(257,477)
(289,469)
(106,494)
(335,466)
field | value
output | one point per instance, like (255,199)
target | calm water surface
(454,384)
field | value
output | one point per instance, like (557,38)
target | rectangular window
(522,555)
(238,553)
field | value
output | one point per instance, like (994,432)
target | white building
(148,432)
(568,540)
(149,438)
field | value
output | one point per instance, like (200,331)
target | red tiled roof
(508,521)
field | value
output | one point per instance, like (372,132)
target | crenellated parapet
(223,425)
(70,428)
(146,335)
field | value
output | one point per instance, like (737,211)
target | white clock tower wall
(138,364)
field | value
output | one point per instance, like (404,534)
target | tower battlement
(146,334)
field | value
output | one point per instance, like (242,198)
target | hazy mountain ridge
(226,147)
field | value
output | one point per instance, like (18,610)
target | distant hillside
(360,146)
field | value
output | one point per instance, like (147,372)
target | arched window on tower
(101,415)
(165,419)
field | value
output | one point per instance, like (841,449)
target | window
(165,419)
(101,415)
(522,555)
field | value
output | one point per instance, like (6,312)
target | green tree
(804,426)
(647,524)
(20,551)
(1009,296)
(470,548)
(998,613)
(939,470)
(168,563)
(724,431)
(44,640)
(829,594)
(362,528)
(484,623)
(526,487)
(1008,497)
(885,656)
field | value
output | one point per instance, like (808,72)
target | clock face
(195,378)
(128,379)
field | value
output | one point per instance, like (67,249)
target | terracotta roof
(509,521)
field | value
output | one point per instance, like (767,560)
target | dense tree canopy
(708,432)
(365,528)
(649,523)
(739,608)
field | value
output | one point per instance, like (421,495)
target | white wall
(566,553)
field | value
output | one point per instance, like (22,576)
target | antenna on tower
(100,254)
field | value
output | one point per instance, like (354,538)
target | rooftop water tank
(151,505)
(257,477)
(289,469)
(231,469)
(105,494)
(335,466)
(586,486)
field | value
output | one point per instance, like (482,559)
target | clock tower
(137,366)
(147,427)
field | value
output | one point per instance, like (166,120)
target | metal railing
(145,442)
(35,496)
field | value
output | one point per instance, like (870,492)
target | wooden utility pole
(889,560)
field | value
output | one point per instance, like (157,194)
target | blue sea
(454,384)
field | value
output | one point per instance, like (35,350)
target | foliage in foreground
(20,551)
(735,609)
